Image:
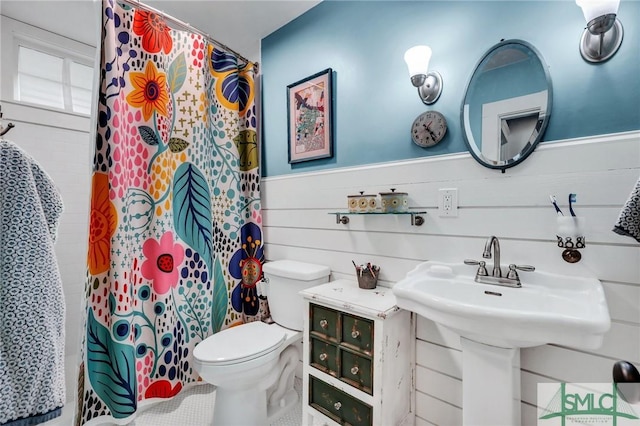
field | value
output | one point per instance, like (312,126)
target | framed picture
(309,117)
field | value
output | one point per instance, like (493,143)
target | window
(81,83)
(53,80)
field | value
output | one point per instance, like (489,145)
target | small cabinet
(358,345)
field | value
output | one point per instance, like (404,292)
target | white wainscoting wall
(515,207)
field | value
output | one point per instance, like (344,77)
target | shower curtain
(175,241)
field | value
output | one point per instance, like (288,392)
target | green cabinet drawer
(356,370)
(357,333)
(324,321)
(324,356)
(341,407)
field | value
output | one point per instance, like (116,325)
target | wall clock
(428,129)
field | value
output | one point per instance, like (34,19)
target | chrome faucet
(482,276)
(493,241)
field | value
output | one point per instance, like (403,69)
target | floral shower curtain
(175,245)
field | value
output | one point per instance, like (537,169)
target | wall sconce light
(429,83)
(603,35)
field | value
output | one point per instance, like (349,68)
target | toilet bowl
(243,376)
(253,365)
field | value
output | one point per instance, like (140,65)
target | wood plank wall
(515,207)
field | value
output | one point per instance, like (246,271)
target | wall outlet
(448,202)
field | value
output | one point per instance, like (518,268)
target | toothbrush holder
(570,234)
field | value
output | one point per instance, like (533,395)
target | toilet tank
(285,279)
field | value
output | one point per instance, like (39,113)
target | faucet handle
(513,275)
(482,270)
(527,268)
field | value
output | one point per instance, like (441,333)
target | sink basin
(570,310)
(494,322)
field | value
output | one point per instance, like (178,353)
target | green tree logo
(578,403)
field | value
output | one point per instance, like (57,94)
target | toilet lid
(239,344)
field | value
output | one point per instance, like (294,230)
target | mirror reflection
(507,104)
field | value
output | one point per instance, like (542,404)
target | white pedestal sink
(494,322)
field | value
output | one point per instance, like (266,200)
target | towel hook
(5,130)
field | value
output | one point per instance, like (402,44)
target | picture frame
(310,117)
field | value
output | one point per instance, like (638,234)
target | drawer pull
(337,405)
(354,370)
(324,323)
(323,356)
(355,334)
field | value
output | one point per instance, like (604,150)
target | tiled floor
(192,407)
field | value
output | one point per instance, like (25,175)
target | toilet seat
(239,344)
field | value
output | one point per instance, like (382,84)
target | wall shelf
(416,217)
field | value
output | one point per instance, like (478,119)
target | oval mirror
(507,104)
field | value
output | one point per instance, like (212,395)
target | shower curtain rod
(186,26)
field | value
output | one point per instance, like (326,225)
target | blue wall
(375,103)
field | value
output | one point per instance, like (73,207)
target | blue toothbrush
(572,199)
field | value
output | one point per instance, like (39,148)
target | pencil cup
(367,282)
(367,276)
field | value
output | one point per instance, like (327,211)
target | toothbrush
(555,204)
(572,199)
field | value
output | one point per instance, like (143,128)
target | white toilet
(253,365)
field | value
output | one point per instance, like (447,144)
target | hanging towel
(31,299)
(628,222)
